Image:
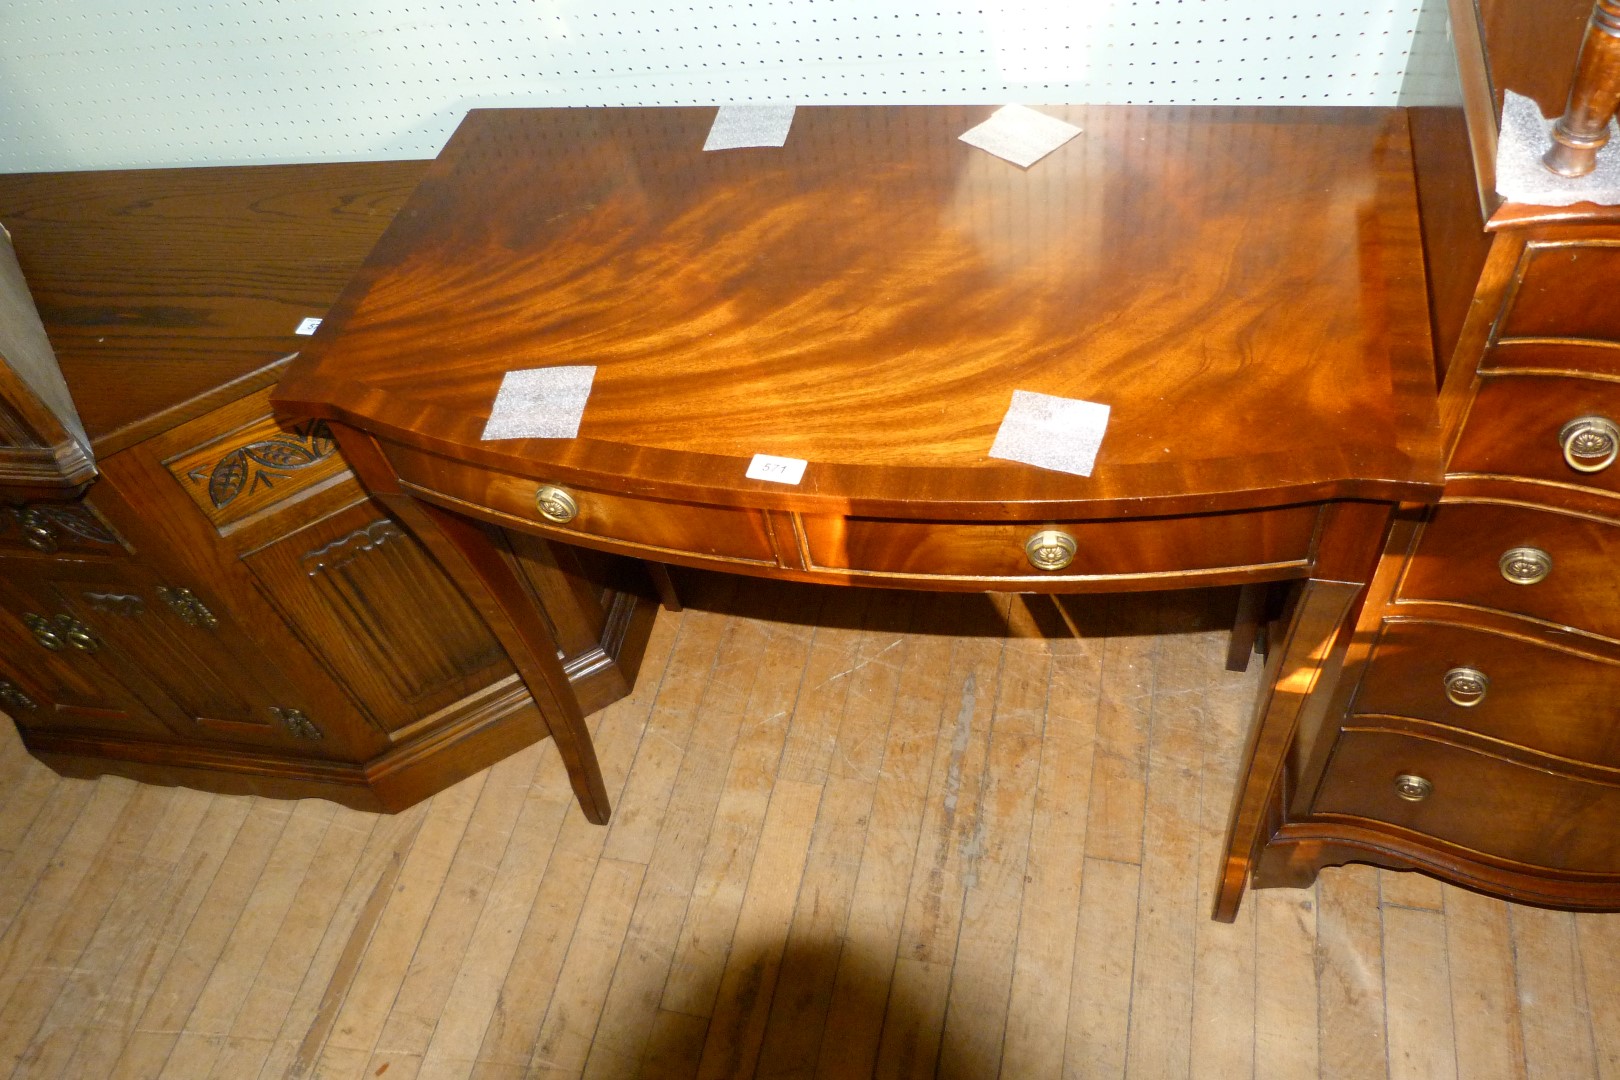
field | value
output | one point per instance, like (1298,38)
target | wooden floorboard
(855,833)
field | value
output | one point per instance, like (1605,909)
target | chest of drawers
(1481,739)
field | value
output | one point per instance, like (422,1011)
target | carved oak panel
(69,528)
(381,614)
(256,466)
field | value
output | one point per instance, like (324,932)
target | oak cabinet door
(115,632)
(55,675)
(377,610)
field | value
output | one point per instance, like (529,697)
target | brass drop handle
(1466,686)
(13,696)
(555,504)
(1050,549)
(1413,788)
(61,632)
(1590,443)
(37,531)
(1524,565)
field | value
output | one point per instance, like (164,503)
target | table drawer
(651,526)
(1531,815)
(1500,685)
(1460,554)
(1196,548)
(1544,427)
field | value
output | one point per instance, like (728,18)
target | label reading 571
(781,470)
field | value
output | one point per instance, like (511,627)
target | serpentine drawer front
(1193,549)
(1538,816)
(1567,292)
(1548,565)
(1560,430)
(1506,686)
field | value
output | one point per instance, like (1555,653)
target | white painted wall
(88,84)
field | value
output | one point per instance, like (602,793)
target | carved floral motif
(262,463)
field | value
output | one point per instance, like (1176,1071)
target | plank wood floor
(855,833)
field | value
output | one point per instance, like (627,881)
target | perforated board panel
(107,84)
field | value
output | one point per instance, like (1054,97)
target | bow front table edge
(1242,287)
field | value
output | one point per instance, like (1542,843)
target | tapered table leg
(475,562)
(1293,674)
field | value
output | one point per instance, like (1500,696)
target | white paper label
(308,326)
(540,403)
(739,126)
(1020,135)
(780,470)
(1063,434)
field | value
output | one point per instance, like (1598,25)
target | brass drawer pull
(1466,686)
(1413,788)
(1050,549)
(1590,443)
(37,531)
(1524,565)
(13,697)
(61,632)
(191,611)
(298,725)
(555,505)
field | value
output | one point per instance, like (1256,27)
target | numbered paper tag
(307,326)
(781,470)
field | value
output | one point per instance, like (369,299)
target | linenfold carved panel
(378,611)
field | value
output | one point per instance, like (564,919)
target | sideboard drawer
(1475,800)
(1499,685)
(647,526)
(1544,427)
(1117,549)
(1459,559)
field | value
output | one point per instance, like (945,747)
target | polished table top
(1242,286)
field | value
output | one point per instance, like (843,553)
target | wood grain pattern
(275,940)
(265,248)
(1560,289)
(1541,697)
(1583,128)
(255,467)
(1533,47)
(737,304)
(1483,803)
(1457,562)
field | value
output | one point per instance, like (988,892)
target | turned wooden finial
(1583,129)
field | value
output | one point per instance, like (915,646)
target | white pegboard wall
(104,84)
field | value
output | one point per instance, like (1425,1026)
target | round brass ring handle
(37,532)
(1524,565)
(80,638)
(1413,788)
(1466,686)
(1050,549)
(61,632)
(555,504)
(1590,443)
(44,633)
